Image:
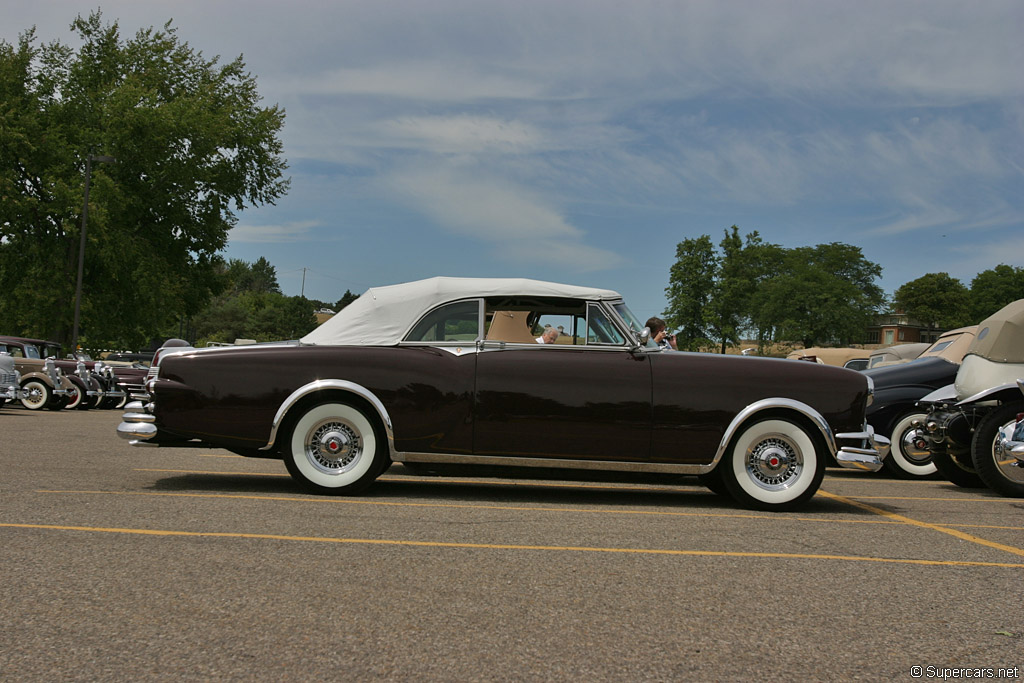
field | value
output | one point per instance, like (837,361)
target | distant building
(899,328)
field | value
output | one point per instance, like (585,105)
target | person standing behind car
(660,335)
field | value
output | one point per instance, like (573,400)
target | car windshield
(31,351)
(630,319)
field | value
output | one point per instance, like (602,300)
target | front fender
(1004,392)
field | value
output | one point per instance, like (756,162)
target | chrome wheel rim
(35,395)
(914,447)
(1006,463)
(774,462)
(333,446)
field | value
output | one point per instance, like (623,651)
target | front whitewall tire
(773,464)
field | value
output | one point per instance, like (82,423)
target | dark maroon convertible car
(509,372)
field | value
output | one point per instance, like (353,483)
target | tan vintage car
(43,384)
(852,359)
(894,355)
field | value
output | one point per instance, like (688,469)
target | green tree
(346,298)
(992,289)
(193,148)
(936,300)
(817,295)
(692,281)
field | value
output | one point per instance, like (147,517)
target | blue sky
(580,141)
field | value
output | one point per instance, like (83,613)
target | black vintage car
(509,372)
(898,388)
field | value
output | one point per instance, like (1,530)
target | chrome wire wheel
(774,462)
(334,448)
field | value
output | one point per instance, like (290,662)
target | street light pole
(81,247)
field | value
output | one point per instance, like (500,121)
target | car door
(588,401)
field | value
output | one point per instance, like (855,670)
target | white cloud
(420,81)
(289,232)
(464,134)
(524,226)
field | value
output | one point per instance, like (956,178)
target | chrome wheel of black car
(773,464)
(334,447)
(909,457)
(37,394)
(1001,472)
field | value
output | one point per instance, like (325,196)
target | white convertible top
(382,315)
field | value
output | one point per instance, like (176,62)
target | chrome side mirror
(645,336)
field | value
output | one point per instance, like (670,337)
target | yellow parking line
(325,500)
(502,546)
(925,525)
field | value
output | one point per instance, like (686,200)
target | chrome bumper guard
(137,424)
(868,453)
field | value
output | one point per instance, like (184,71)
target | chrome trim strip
(552,463)
(325,385)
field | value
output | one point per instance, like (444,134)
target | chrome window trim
(479,325)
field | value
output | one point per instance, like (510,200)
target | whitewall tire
(335,448)
(908,459)
(773,464)
(37,394)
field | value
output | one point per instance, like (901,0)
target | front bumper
(862,450)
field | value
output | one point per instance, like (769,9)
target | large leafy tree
(692,281)
(936,300)
(992,289)
(193,148)
(820,295)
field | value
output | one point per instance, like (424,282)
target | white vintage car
(965,421)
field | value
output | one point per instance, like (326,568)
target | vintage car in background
(449,370)
(10,379)
(852,359)
(43,384)
(964,420)
(93,385)
(115,379)
(894,355)
(899,387)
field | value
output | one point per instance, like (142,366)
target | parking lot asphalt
(154,564)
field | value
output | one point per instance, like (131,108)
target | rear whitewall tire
(335,448)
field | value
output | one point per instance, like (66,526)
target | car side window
(456,322)
(600,328)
